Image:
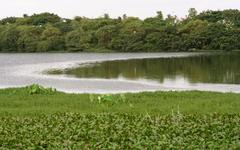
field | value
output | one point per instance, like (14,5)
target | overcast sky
(96,8)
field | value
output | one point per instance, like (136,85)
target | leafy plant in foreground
(38,89)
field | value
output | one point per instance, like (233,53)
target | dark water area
(223,68)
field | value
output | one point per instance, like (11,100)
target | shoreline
(114,52)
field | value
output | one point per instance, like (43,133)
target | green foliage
(51,39)
(9,38)
(44,18)
(8,20)
(37,89)
(208,30)
(28,39)
(192,13)
(120,131)
(77,40)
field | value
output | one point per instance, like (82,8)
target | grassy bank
(38,118)
(21,102)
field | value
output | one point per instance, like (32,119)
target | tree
(154,24)
(105,35)
(215,30)
(106,16)
(8,20)
(192,13)
(44,18)
(28,38)
(25,16)
(8,38)
(124,16)
(159,15)
(132,33)
(64,26)
(51,40)
(77,40)
(171,20)
(193,36)
(211,16)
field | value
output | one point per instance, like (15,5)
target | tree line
(45,32)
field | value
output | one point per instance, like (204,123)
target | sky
(115,8)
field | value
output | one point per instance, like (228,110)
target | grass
(34,117)
(20,102)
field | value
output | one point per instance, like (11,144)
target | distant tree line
(45,32)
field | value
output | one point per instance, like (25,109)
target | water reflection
(219,68)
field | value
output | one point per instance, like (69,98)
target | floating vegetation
(120,131)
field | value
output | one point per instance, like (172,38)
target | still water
(217,68)
(123,72)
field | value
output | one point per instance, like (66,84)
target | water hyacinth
(120,131)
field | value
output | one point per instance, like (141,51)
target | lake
(123,72)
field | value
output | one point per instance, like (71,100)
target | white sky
(96,8)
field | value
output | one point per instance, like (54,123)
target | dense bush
(209,30)
(121,131)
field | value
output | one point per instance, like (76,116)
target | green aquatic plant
(120,131)
(38,89)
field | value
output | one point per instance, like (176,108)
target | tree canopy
(208,30)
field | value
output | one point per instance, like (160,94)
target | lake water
(123,72)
